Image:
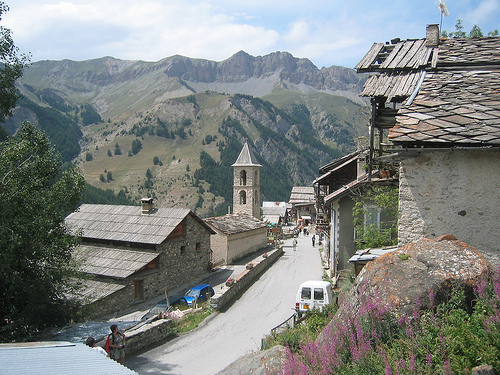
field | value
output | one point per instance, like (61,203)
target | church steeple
(246,185)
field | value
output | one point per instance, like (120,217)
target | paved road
(231,334)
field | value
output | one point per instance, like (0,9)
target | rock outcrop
(416,276)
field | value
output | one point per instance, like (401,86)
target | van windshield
(305,293)
(319,295)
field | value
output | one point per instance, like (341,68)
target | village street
(226,336)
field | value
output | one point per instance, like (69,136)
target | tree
(11,68)
(459,32)
(475,32)
(375,216)
(36,266)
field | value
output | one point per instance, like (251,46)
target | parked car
(313,294)
(199,292)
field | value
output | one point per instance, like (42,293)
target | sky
(327,32)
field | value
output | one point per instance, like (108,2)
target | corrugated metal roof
(126,223)
(246,158)
(371,254)
(112,262)
(56,358)
(235,223)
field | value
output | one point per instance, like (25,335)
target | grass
(192,320)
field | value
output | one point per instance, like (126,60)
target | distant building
(275,213)
(303,202)
(135,253)
(246,185)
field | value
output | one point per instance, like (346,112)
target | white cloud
(326,31)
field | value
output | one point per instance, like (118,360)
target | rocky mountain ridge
(295,116)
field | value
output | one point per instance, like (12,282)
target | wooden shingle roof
(302,194)
(112,262)
(126,223)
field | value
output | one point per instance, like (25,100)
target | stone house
(236,235)
(340,183)
(134,253)
(437,103)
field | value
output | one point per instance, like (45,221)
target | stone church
(242,232)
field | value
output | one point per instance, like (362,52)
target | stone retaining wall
(222,298)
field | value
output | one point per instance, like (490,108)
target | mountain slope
(161,116)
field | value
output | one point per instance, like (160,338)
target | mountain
(146,128)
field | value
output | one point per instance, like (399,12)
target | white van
(313,294)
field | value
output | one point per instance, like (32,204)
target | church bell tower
(246,185)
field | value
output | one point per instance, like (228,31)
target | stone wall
(241,244)
(218,244)
(260,264)
(175,268)
(451,191)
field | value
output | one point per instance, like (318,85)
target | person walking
(117,345)
(313,239)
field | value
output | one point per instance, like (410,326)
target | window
(319,294)
(243,178)
(372,217)
(138,289)
(243,197)
(183,249)
(305,293)
(198,246)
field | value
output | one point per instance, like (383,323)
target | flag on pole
(443,8)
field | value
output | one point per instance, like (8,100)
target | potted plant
(249,265)
(229,281)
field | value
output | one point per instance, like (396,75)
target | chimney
(147,206)
(432,35)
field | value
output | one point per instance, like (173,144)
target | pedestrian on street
(313,238)
(117,345)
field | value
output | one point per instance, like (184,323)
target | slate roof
(451,90)
(246,158)
(235,223)
(127,224)
(56,358)
(113,262)
(461,107)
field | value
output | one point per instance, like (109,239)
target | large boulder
(416,276)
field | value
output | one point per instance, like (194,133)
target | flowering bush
(449,338)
